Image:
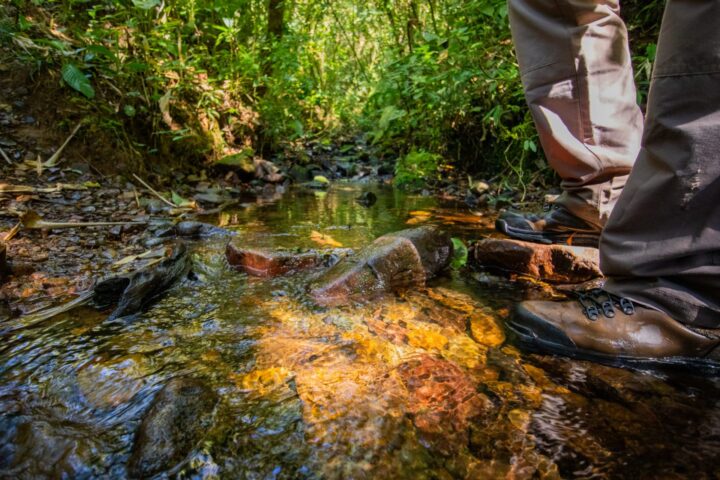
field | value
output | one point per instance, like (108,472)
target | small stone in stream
(136,290)
(367,199)
(190,229)
(397,260)
(153,242)
(115,232)
(552,263)
(273,263)
(177,420)
(154,206)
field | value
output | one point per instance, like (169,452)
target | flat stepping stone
(274,263)
(551,263)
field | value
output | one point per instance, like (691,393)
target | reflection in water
(418,385)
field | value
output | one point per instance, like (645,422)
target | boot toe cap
(533,322)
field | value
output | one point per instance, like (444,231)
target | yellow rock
(465,353)
(262,381)
(520,419)
(426,336)
(485,330)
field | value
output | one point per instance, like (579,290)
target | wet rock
(267,171)
(397,260)
(552,263)
(134,291)
(273,263)
(176,421)
(299,174)
(443,402)
(4,268)
(155,206)
(367,199)
(190,229)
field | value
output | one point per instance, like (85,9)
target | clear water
(418,385)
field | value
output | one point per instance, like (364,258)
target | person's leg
(577,74)
(661,246)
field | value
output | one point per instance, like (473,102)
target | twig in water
(32,221)
(154,192)
(4,155)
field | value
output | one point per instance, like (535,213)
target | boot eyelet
(592,313)
(608,310)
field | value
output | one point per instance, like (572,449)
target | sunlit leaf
(325,240)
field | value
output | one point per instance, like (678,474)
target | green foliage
(428,81)
(416,169)
(460,254)
(77,80)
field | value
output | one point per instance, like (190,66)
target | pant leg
(577,73)
(661,245)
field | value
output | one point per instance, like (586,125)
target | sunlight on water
(416,385)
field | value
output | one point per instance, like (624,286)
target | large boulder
(273,263)
(397,260)
(551,263)
(176,421)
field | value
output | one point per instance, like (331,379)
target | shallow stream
(418,385)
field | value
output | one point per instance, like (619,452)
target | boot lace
(598,301)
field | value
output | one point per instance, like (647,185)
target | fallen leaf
(323,239)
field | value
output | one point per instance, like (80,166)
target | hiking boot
(602,327)
(556,226)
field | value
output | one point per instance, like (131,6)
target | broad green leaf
(146,4)
(77,80)
(460,254)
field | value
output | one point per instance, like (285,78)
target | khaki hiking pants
(661,245)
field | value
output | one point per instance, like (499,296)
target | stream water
(416,385)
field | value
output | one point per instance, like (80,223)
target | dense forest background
(431,83)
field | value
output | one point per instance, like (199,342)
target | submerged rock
(134,291)
(397,260)
(443,401)
(273,263)
(367,199)
(188,229)
(552,263)
(176,421)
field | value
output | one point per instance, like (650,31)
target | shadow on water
(416,385)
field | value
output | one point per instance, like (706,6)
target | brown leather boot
(556,226)
(605,328)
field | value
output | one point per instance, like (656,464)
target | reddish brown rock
(552,263)
(443,401)
(402,259)
(273,263)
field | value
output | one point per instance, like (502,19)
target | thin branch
(163,199)
(4,155)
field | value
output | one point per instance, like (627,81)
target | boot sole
(577,239)
(534,344)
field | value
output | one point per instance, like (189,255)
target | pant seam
(688,74)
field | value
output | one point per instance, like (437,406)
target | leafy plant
(76,79)
(416,169)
